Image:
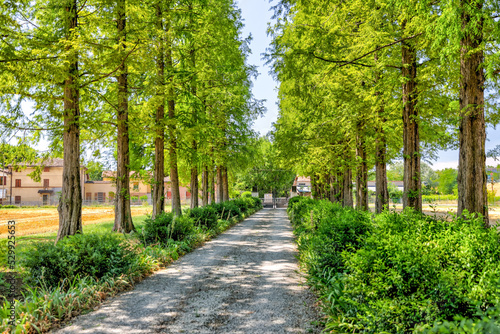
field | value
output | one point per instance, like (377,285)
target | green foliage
(266,174)
(398,273)
(166,227)
(447,180)
(394,193)
(246,194)
(437,198)
(205,216)
(95,169)
(325,230)
(80,255)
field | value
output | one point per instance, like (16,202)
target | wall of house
(28,191)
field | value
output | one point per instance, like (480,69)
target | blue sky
(256,14)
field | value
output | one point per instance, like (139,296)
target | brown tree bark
(347,200)
(220,187)
(412,196)
(194,162)
(123,216)
(194,186)
(381,192)
(70,202)
(225,184)
(211,176)
(472,193)
(159,165)
(362,169)
(174,174)
(204,185)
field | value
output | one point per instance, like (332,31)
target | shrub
(246,194)
(399,272)
(83,254)
(165,227)
(415,270)
(205,216)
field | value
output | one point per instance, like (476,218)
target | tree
(447,180)
(70,202)
(123,215)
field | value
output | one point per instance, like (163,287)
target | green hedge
(398,273)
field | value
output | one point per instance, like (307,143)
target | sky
(256,15)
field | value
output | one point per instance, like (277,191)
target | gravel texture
(244,281)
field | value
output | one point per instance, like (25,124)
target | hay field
(41,220)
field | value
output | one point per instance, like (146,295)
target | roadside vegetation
(60,281)
(399,272)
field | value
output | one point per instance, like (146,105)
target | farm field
(41,220)
(443,210)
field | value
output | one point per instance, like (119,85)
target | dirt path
(245,281)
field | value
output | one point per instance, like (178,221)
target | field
(43,220)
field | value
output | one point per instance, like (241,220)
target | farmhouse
(17,187)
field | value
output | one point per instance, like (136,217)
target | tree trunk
(212,184)
(204,184)
(220,187)
(331,195)
(472,193)
(194,187)
(314,189)
(70,202)
(159,164)
(123,216)
(412,196)
(225,184)
(174,175)
(381,192)
(362,170)
(347,188)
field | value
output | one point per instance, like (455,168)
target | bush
(246,194)
(165,227)
(398,273)
(80,255)
(415,270)
(205,216)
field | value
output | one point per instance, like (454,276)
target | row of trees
(140,78)
(363,82)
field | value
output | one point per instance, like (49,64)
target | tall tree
(159,160)
(472,193)
(123,216)
(70,203)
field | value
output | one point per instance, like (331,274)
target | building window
(188,195)
(17,200)
(169,195)
(136,187)
(3,180)
(46,169)
(18,183)
(101,197)
(45,183)
(88,197)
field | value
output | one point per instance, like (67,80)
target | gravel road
(244,281)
